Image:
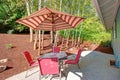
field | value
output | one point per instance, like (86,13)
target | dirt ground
(20,43)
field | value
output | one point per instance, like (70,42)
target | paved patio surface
(94,65)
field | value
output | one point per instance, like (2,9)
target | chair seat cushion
(49,66)
(70,62)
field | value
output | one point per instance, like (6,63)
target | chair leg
(26,72)
(26,75)
(39,76)
(60,75)
(78,65)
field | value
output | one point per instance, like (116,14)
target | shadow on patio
(94,65)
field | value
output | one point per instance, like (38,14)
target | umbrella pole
(53,40)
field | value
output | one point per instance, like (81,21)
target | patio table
(61,56)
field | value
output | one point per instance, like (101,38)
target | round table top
(60,56)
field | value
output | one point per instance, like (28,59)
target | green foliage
(21,28)
(10,11)
(93,31)
(10,31)
(106,43)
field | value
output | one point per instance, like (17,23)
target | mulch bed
(20,43)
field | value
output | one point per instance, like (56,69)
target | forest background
(91,29)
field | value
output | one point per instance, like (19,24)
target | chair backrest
(56,49)
(48,66)
(78,55)
(28,57)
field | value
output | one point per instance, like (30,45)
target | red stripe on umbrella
(80,20)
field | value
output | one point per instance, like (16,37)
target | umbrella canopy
(50,20)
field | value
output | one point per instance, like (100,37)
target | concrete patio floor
(94,65)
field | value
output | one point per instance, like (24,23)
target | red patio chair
(56,49)
(31,62)
(49,66)
(76,60)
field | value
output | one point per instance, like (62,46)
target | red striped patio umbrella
(50,20)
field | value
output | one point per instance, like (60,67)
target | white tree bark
(39,49)
(67,41)
(42,39)
(43,30)
(36,38)
(29,11)
(79,38)
(39,46)
(45,3)
(56,36)
(51,34)
(39,4)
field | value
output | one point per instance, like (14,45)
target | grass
(9,46)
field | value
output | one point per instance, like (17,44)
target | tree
(29,12)
(10,11)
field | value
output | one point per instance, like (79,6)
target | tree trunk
(56,36)
(39,49)
(67,41)
(36,38)
(63,39)
(51,34)
(42,39)
(79,39)
(73,39)
(29,11)
(75,42)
